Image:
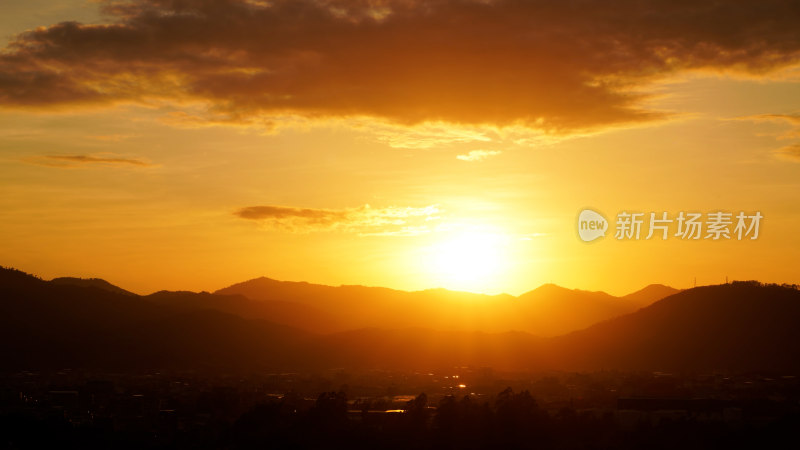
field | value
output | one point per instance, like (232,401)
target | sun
(468,260)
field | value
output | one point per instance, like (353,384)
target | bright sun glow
(469,260)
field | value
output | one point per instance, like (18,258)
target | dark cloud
(314,216)
(73,160)
(364,220)
(560,66)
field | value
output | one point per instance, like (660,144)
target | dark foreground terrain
(372,410)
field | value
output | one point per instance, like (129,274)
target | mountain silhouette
(649,294)
(546,311)
(57,325)
(552,310)
(298,315)
(743,326)
(738,326)
(98,283)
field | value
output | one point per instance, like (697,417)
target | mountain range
(256,326)
(549,310)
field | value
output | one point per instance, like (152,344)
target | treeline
(756,283)
(511,420)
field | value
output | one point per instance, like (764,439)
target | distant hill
(551,310)
(56,325)
(649,294)
(298,315)
(547,311)
(91,282)
(736,326)
(356,307)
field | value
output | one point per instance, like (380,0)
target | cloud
(790,153)
(793,119)
(478,155)
(790,119)
(365,220)
(560,67)
(77,160)
(427,135)
(119,137)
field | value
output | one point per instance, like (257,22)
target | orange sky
(395,143)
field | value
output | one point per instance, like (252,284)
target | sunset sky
(168,144)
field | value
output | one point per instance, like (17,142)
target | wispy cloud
(790,153)
(538,64)
(365,220)
(427,135)
(793,119)
(67,161)
(111,137)
(478,155)
(789,119)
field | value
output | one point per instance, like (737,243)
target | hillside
(98,283)
(56,325)
(739,326)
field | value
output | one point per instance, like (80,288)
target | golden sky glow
(396,143)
